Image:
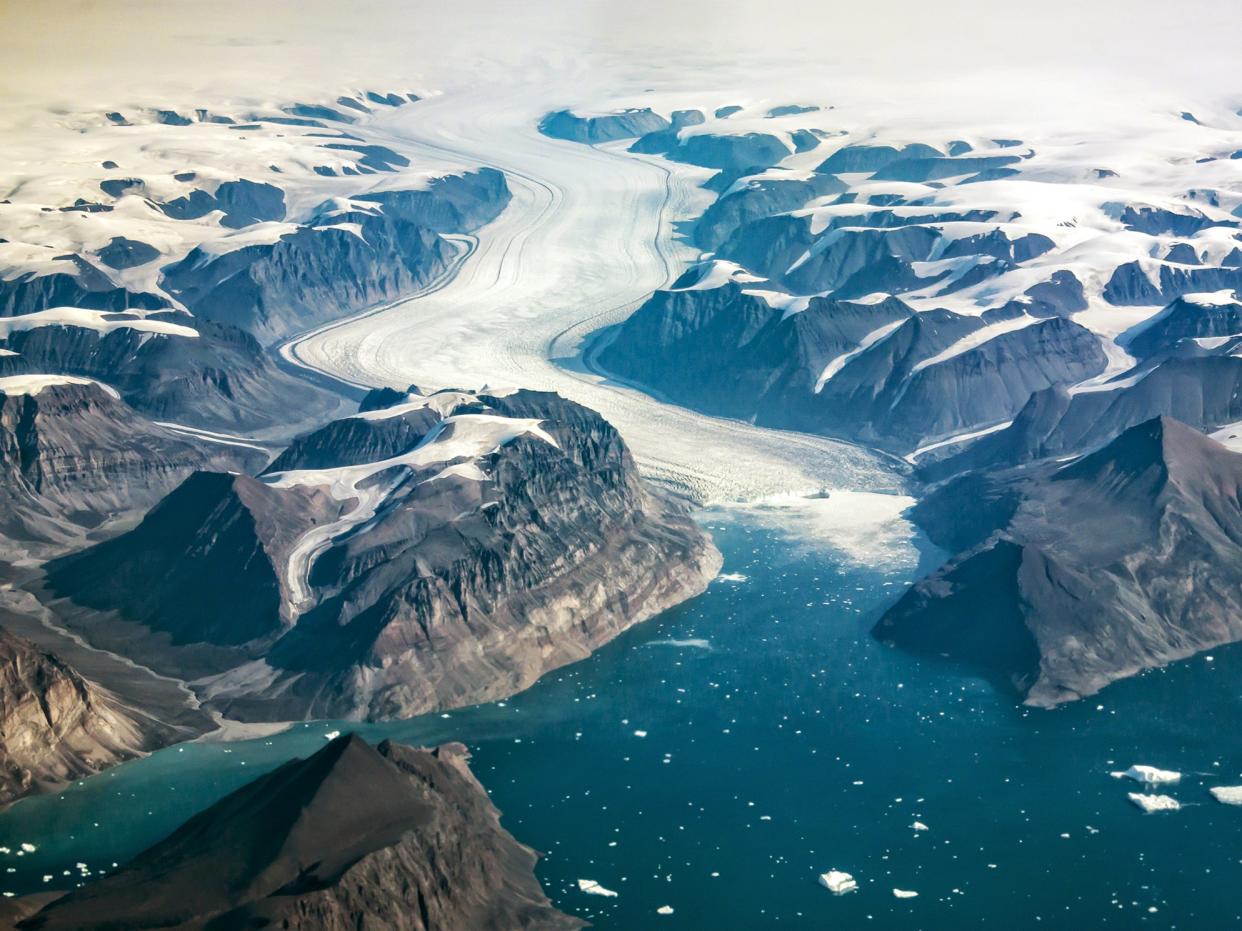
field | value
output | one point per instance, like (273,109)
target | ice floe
(1149,775)
(838,882)
(591,887)
(905,893)
(1227,795)
(1150,803)
(690,643)
(664,910)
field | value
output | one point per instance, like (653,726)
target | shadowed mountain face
(221,379)
(352,837)
(73,456)
(873,371)
(55,726)
(1067,578)
(434,552)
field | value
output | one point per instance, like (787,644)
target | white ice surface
(14,385)
(1227,795)
(589,234)
(591,887)
(97,320)
(1149,775)
(838,882)
(1153,803)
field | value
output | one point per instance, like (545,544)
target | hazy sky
(89,53)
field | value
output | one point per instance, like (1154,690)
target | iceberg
(591,887)
(1227,795)
(1149,775)
(664,910)
(1150,803)
(837,882)
(905,893)
(919,826)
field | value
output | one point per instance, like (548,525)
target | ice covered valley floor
(718,759)
(589,234)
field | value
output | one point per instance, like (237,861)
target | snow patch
(14,385)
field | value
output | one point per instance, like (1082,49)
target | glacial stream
(720,757)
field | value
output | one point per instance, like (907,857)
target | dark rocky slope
(221,379)
(72,457)
(1069,577)
(605,127)
(870,371)
(55,726)
(1202,390)
(352,837)
(495,538)
(346,259)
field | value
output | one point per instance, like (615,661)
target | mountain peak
(346,837)
(1160,447)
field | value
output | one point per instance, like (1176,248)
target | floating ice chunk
(731,577)
(591,887)
(691,643)
(640,733)
(1150,803)
(1227,795)
(664,910)
(905,893)
(1149,775)
(837,882)
(29,848)
(331,735)
(919,826)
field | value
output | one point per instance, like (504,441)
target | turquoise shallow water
(781,741)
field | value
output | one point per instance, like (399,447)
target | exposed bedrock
(438,552)
(1068,577)
(352,837)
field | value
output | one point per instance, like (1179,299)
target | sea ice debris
(591,887)
(1149,775)
(838,882)
(664,910)
(1150,803)
(1227,795)
(905,893)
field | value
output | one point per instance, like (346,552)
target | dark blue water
(789,744)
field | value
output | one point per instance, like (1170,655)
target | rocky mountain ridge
(1067,577)
(351,837)
(440,551)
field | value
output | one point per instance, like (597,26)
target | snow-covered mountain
(161,250)
(431,551)
(915,292)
